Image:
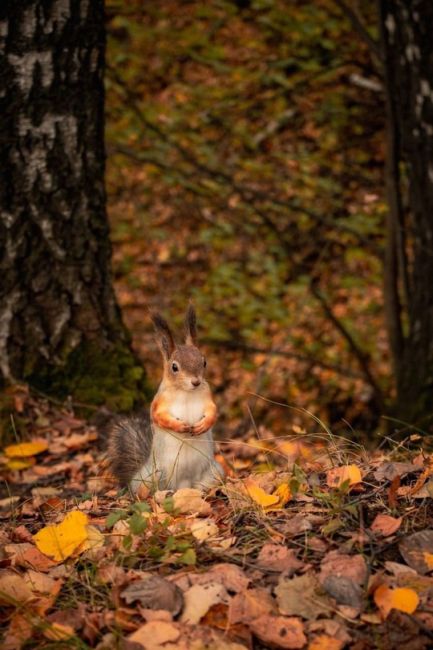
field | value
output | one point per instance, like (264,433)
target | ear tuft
(191,326)
(164,337)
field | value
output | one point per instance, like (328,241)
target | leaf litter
(304,553)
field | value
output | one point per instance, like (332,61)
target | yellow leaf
(20,463)
(258,495)
(401,598)
(58,632)
(23,449)
(61,540)
(95,539)
(339,475)
(283,493)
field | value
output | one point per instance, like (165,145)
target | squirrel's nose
(195,382)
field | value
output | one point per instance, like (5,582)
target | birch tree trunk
(408,49)
(60,327)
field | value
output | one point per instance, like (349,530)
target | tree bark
(60,327)
(408,49)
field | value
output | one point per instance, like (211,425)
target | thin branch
(224,178)
(357,352)
(360,28)
(288,354)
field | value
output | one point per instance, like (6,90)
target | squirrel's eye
(204,363)
(174,367)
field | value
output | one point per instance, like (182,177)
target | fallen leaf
(95,539)
(279,558)
(325,642)
(402,598)
(283,493)
(302,596)
(350,474)
(344,590)
(14,589)
(258,495)
(58,632)
(417,551)
(202,529)
(28,556)
(19,631)
(229,575)
(17,464)
(279,631)
(154,593)
(248,605)
(60,541)
(154,634)
(24,449)
(190,500)
(199,599)
(9,502)
(385,525)
(389,471)
(350,566)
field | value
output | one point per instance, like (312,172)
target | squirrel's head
(184,365)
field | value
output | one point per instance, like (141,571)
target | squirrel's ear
(191,326)
(164,337)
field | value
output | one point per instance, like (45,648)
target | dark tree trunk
(408,49)
(60,326)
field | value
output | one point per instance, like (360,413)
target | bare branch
(361,29)
(357,352)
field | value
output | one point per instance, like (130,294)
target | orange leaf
(339,475)
(325,642)
(385,525)
(258,495)
(24,449)
(401,598)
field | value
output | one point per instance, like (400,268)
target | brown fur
(130,438)
(129,445)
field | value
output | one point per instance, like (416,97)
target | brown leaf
(19,631)
(344,590)
(249,605)
(14,589)
(417,551)
(154,593)
(229,575)
(279,558)
(279,631)
(350,566)
(28,556)
(385,525)
(325,642)
(154,634)
(302,596)
(189,500)
(390,471)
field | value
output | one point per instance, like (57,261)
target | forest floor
(310,542)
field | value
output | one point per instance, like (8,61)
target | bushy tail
(128,446)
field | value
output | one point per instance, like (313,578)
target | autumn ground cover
(310,542)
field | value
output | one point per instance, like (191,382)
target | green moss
(96,375)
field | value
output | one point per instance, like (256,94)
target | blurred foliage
(245,164)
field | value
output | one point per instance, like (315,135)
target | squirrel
(172,446)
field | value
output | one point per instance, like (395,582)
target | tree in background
(408,54)
(60,327)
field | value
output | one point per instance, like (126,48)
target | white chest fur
(188,406)
(181,460)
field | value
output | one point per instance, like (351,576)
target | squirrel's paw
(184,428)
(201,427)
